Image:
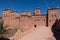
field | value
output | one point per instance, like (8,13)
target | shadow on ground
(56,29)
(1,38)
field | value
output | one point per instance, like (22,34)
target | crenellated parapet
(37,11)
(10,13)
(26,13)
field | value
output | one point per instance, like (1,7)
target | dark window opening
(38,19)
(44,19)
(52,15)
(35,26)
(50,20)
(55,15)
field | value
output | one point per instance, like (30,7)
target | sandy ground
(40,33)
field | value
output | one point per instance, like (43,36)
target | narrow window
(44,19)
(55,15)
(38,20)
(35,26)
(50,20)
(52,15)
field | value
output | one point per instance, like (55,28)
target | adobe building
(27,20)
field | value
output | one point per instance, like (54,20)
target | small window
(35,19)
(43,19)
(55,15)
(5,15)
(52,15)
(38,19)
(35,26)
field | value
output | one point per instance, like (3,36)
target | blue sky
(24,5)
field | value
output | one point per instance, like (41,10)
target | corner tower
(37,11)
(52,15)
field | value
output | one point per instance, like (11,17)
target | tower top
(53,8)
(37,11)
(10,10)
(37,8)
(7,9)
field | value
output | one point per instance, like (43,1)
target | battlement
(37,11)
(53,8)
(10,10)
(27,13)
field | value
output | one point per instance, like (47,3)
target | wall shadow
(1,38)
(56,29)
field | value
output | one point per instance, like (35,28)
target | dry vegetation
(6,32)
